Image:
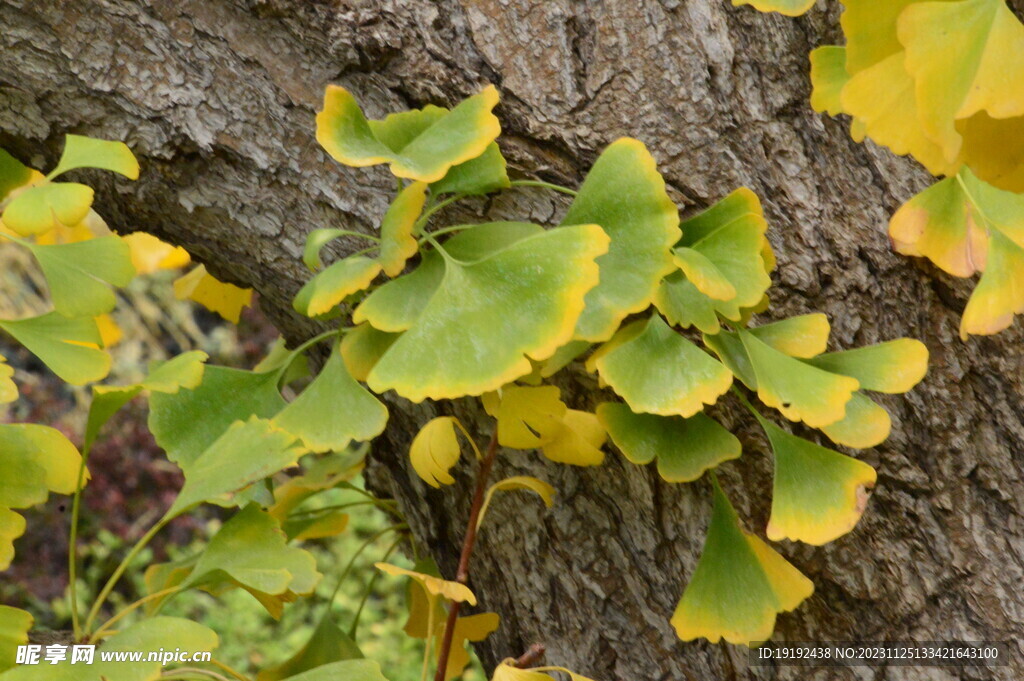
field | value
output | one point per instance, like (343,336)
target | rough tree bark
(217,99)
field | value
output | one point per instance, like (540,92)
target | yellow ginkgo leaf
(577,441)
(791,8)
(227,300)
(805,335)
(150,254)
(518,482)
(473,628)
(396,240)
(434,450)
(331,286)
(452,591)
(8,390)
(528,416)
(110,333)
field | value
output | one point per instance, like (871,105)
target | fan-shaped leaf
(625,194)
(397,243)
(78,274)
(413,152)
(487,316)
(895,366)
(739,585)
(333,410)
(818,494)
(340,280)
(86,152)
(45,206)
(472,628)
(70,347)
(434,450)
(660,372)
(225,299)
(577,441)
(527,416)
(684,448)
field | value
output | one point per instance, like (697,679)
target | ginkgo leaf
(434,451)
(424,620)
(790,8)
(704,274)
(70,347)
(39,460)
(683,305)
(507,671)
(333,410)
(528,416)
(362,347)
(187,422)
(865,425)
(870,30)
(518,482)
(435,586)
(13,174)
(8,389)
(473,628)
(487,316)
(250,551)
(577,440)
(396,240)
(660,372)
(958,73)
(150,254)
(225,299)
(327,644)
(730,351)
(625,194)
(684,448)
(828,77)
(349,670)
(247,451)
(86,152)
(739,585)
(319,526)
(818,494)
(484,174)
(801,392)
(331,286)
(894,367)
(78,274)
(453,137)
(12,526)
(803,336)
(45,206)
(14,627)
(110,332)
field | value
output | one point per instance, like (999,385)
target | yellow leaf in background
(517,482)
(8,390)
(150,254)
(110,333)
(227,300)
(91,227)
(434,450)
(577,441)
(452,591)
(790,8)
(529,416)
(472,628)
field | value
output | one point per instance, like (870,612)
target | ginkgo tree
(661,310)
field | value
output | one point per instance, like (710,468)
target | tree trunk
(217,98)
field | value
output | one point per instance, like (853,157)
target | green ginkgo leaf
(86,152)
(331,286)
(362,347)
(14,626)
(865,425)
(247,451)
(894,367)
(70,347)
(683,305)
(396,231)
(412,150)
(805,335)
(13,174)
(36,460)
(625,194)
(487,316)
(41,208)
(78,274)
(349,670)
(800,391)
(434,451)
(484,174)
(828,77)
(659,372)
(251,551)
(818,494)
(791,8)
(327,644)
(730,351)
(684,448)
(333,410)
(739,586)
(395,305)
(185,423)
(315,242)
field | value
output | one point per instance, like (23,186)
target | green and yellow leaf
(43,207)
(894,367)
(396,231)
(828,78)
(14,627)
(69,347)
(362,348)
(331,286)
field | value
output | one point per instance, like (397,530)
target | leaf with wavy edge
(331,286)
(452,138)
(434,451)
(802,336)
(739,586)
(435,586)
(482,175)
(69,347)
(396,240)
(818,494)
(658,371)
(801,392)
(684,448)
(625,194)
(225,299)
(527,416)
(486,317)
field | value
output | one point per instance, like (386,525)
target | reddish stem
(462,575)
(531,656)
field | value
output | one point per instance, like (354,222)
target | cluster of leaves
(942,82)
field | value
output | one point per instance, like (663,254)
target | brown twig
(462,575)
(531,657)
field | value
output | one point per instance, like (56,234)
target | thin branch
(531,657)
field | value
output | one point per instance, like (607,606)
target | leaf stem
(446,230)
(106,626)
(76,503)
(360,235)
(544,185)
(369,590)
(302,348)
(381,504)
(462,575)
(352,560)
(422,222)
(432,605)
(231,672)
